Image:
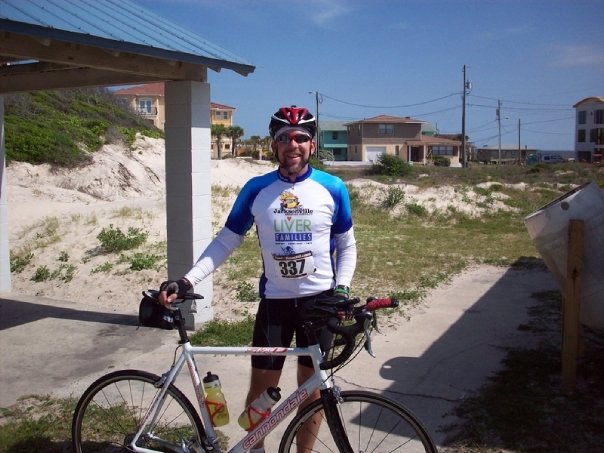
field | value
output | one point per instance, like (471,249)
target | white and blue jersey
(299,225)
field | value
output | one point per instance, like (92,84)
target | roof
(596,99)
(54,44)
(333,125)
(158,89)
(433,140)
(119,25)
(387,119)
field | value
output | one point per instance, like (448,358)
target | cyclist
(302,217)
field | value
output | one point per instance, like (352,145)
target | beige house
(398,136)
(149,102)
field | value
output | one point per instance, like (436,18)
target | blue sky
(406,58)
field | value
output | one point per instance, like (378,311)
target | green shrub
(42,274)
(390,165)
(105,268)
(441,161)
(416,209)
(246,292)
(114,240)
(140,261)
(394,196)
(19,262)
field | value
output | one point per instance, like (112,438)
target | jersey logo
(289,200)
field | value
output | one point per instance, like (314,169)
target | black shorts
(276,323)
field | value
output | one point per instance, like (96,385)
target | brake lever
(367,328)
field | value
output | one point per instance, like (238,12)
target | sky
(365,58)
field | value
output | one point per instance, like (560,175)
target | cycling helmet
(292,117)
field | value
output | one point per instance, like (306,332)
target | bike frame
(319,380)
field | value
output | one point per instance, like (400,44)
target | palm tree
(218,131)
(255,142)
(235,133)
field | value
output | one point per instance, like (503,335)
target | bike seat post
(180,324)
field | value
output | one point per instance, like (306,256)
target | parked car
(552,159)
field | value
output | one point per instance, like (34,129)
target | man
(302,217)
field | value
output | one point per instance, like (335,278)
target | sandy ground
(56,215)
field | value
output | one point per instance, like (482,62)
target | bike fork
(330,400)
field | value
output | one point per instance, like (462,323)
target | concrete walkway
(442,355)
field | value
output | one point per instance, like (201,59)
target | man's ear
(274,147)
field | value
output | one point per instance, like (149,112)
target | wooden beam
(68,78)
(20,46)
(571,326)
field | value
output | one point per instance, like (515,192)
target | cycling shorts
(277,321)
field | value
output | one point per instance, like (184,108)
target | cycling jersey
(299,225)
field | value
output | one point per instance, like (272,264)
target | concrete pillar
(188,186)
(5,282)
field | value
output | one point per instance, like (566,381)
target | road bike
(137,411)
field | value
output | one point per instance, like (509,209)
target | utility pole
(499,128)
(467,86)
(519,151)
(463,122)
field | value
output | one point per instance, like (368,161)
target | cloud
(324,12)
(566,55)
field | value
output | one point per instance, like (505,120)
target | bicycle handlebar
(362,315)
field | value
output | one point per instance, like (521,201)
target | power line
(520,102)
(389,106)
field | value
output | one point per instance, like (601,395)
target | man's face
(293,150)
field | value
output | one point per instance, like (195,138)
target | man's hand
(171,290)
(343,293)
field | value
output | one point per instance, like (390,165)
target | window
(598,116)
(385,129)
(597,136)
(397,150)
(334,135)
(581,117)
(145,106)
(442,150)
(581,136)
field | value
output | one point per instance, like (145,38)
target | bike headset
(292,117)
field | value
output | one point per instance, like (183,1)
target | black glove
(341,291)
(178,287)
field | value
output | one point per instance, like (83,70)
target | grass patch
(223,333)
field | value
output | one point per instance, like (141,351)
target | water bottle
(259,409)
(215,401)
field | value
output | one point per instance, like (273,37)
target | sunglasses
(298,138)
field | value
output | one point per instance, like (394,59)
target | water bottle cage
(215,408)
(262,415)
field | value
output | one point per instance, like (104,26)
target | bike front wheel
(368,423)
(111,410)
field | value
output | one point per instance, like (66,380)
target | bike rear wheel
(371,423)
(111,410)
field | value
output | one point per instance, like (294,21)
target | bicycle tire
(371,422)
(109,414)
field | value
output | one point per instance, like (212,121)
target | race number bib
(294,266)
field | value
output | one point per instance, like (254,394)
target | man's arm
(346,257)
(214,255)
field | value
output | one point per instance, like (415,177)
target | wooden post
(571,327)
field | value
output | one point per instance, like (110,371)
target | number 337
(292,268)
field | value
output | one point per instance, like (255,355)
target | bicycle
(137,411)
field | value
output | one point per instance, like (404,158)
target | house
(589,129)
(510,154)
(333,140)
(148,100)
(398,136)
